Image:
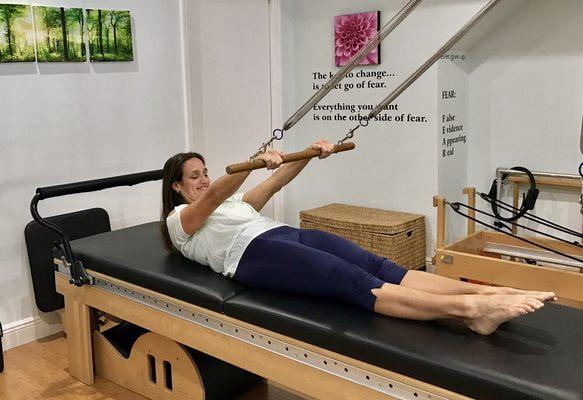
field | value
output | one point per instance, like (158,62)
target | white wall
(66,122)
(526,80)
(522,82)
(452,125)
(230,87)
(395,165)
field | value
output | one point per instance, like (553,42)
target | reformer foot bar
(317,348)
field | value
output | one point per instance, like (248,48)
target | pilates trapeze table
(316,347)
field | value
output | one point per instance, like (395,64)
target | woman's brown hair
(172,172)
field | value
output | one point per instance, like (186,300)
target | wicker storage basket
(398,236)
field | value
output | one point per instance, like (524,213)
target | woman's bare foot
(489,311)
(542,296)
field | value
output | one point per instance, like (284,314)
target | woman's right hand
(272,158)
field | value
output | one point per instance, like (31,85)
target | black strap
(531,217)
(456,207)
(527,204)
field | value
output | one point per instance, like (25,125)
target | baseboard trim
(429,267)
(30,329)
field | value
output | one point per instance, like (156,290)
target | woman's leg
(286,265)
(283,264)
(481,313)
(392,273)
(433,283)
(378,266)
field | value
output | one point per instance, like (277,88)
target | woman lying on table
(214,225)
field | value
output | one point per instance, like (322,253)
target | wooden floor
(39,370)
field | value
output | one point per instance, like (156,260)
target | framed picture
(110,35)
(59,34)
(16,34)
(351,33)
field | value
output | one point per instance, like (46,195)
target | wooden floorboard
(39,370)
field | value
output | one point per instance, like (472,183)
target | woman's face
(195,180)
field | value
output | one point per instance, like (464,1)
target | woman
(215,226)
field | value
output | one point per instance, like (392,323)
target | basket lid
(362,218)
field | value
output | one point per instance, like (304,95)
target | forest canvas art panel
(59,34)
(16,33)
(351,33)
(110,35)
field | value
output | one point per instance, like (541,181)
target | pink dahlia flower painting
(351,33)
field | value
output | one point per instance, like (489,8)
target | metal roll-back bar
(78,275)
(352,63)
(432,60)
(320,94)
(389,27)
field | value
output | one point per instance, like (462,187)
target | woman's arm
(260,195)
(193,216)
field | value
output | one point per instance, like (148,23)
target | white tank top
(222,239)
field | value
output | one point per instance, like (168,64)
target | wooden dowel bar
(471,193)
(439,202)
(550,181)
(515,195)
(301,155)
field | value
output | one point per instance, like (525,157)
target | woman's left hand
(324,146)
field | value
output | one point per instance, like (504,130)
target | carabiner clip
(277,136)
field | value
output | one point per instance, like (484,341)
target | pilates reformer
(501,256)
(504,258)
(313,347)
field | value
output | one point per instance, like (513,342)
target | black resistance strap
(457,205)
(527,204)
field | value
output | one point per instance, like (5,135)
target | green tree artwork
(110,35)
(59,34)
(16,34)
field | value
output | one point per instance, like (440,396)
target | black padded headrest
(39,245)
(136,255)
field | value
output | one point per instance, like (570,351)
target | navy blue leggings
(315,263)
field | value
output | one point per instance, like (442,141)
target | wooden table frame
(563,183)
(466,259)
(304,369)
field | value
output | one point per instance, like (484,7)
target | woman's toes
(524,308)
(523,311)
(536,304)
